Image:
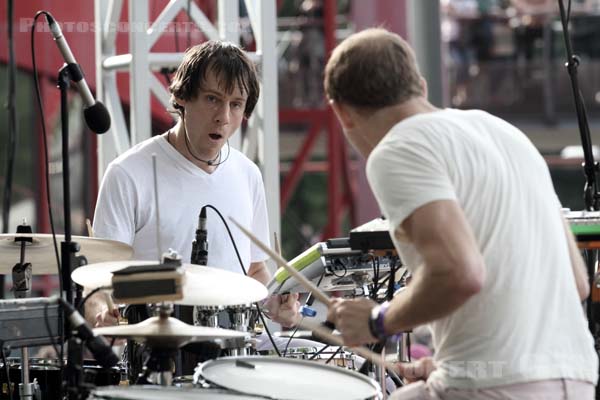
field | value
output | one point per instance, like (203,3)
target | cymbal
(40,253)
(202,286)
(167,332)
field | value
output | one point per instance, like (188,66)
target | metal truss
(261,142)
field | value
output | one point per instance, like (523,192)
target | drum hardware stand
(404,347)
(21,275)
(211,320)
(68,248)
(161,364)
(590,168)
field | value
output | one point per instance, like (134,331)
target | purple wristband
(379,321)
(376,321)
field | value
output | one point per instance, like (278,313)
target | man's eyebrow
(222,94)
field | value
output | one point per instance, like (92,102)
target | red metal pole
(333,142)
(292,178)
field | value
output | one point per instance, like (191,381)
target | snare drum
(284,378)
(162,393)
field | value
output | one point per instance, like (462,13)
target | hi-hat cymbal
(167,332)
(40,252)
(202,286)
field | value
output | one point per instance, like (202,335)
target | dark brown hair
(372,69)
(228,62)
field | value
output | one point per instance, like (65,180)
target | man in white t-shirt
(473,214)
(213,90)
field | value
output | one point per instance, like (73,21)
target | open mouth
(215,136)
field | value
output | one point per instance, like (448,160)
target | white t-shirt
(126,209)
(527,322)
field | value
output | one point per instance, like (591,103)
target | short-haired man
(473,214)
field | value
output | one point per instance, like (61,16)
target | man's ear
(424,87)
(344,114)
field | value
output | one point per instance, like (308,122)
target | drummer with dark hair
(214,89)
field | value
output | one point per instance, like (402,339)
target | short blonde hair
(372,69)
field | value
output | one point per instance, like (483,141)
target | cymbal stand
(68,260)
(21,275)
(404,347)
(159,368)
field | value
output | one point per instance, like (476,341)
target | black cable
(318,352)
(287,344)
(6,370)
(189,146)
(376,283)
(47,173)
(81,306)
(391,278)
(308,298)
(408,346)
(337,261)
(568,11)
(51,335)
(237,253)
(11,149)
(90,294)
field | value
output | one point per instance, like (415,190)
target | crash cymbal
(202,286)
(40,252)
(167,332)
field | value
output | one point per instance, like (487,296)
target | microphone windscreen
(97,118)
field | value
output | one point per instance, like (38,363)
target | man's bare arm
(452,272)
(260,272)
(577,264)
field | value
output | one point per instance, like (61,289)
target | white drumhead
(162,393)
(288,379)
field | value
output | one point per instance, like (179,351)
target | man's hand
(416,371)
(107,317)
(351,318)
(283,309)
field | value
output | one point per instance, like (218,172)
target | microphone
(96,115)
(200,244)
(97,344)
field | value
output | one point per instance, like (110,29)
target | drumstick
(361,351)
(308,285)
(277,248)
(110,303)
(90,230)
(276,243)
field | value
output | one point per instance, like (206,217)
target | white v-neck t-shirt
(527,323)
(126,210)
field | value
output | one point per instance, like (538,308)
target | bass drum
(47,373)
(163,393)
(285,378)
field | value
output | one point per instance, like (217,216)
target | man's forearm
(94,305)
(260,272)
(427,298)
